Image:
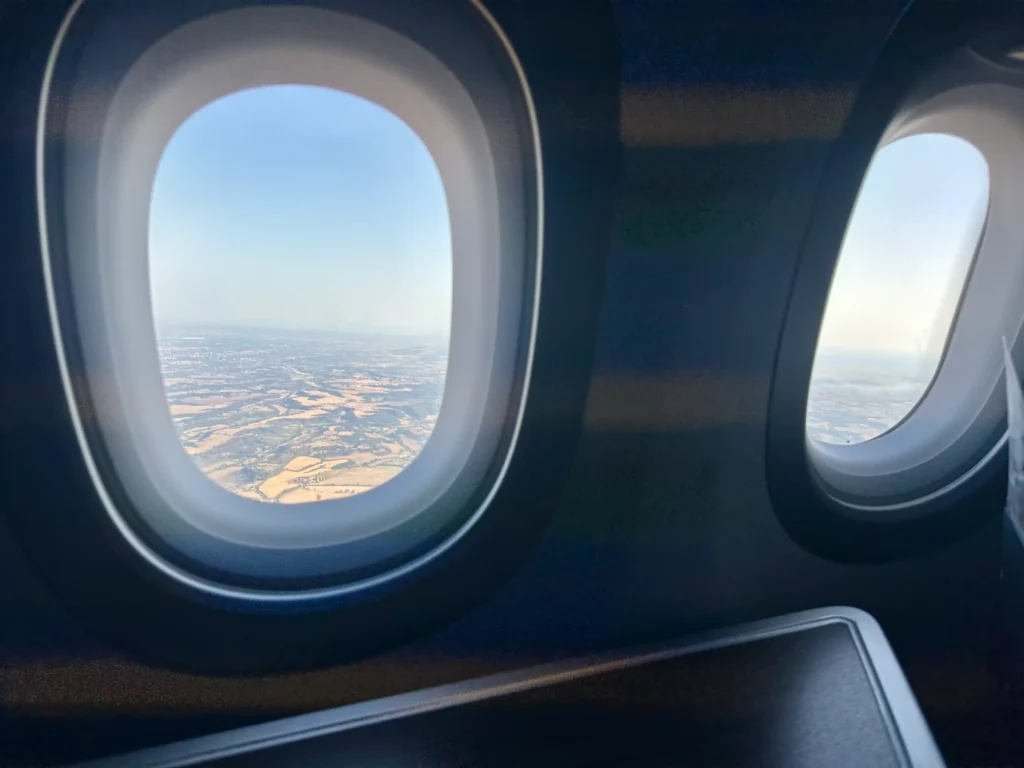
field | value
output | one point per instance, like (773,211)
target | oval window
(901,271)
(301,280)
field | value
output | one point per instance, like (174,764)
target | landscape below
(295,417)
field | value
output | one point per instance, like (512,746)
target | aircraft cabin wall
(728,113)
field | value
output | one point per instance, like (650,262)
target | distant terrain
(295,417)
(854,398)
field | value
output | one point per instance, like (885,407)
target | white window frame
(957,427)
(106,211)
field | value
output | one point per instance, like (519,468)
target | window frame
(154,494)
(942,434)
(60,524)
(840,502)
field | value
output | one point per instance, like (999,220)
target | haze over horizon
(172,327)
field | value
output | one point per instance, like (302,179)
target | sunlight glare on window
(902,269)
(301,279)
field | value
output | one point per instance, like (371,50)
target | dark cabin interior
(695,155)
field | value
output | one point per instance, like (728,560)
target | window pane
(897,285)
(301,273)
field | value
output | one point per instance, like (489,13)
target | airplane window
(897,286)
(301,273)
(304,261)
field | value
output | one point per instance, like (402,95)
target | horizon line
(198,327)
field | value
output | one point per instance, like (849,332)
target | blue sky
(300,207)
(304,207)
(907,251)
